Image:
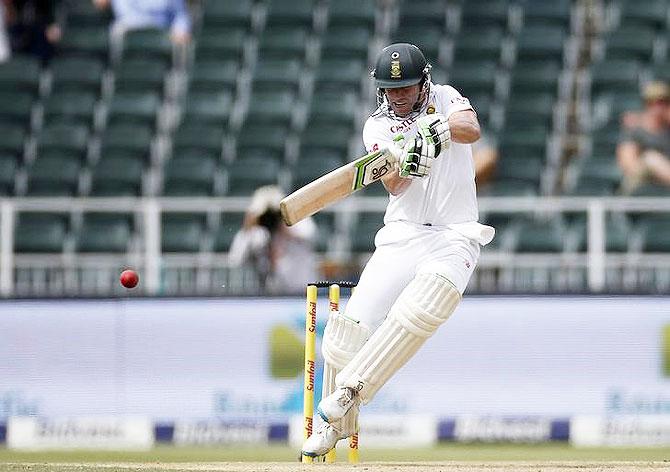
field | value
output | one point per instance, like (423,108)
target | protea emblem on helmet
(395,70)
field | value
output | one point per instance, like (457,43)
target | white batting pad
(342,339)
(426,303)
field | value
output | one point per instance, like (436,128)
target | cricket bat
(335,185)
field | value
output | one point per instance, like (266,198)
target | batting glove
(434,129)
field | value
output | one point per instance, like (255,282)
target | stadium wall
(526,369)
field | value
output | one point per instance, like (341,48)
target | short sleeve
(453,101)
(374,136)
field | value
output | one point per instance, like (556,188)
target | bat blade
(334,186)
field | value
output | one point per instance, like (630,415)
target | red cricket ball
(129,278)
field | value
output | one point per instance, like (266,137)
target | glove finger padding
(417,160)
(434,129)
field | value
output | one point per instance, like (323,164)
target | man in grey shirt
(643,153)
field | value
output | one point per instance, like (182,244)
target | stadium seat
(273,107)
(617,235)
(614,75)
(291,13)
(133,108)
(85,13)
(485,13)
(428,38)
(644,13)
(528,140)
(265,140)
(661,71)
(325,226)
(13,140)
(541,42)
(127,141)
(346,42)
(220,43)
(283,43)
(540,236)
(630,43)
(214,76)
(605,170)
(208,108)
(352,13)
(189,176)
(554,13)
(54,176)
(431,13)
(63,138)
(80,74)
(102,232)
(181,232)
(197,138)
(535,76)
(117,176)
(536,108)
(245,176)
(508,188)
(20,74)
(482,104)
(147,44)
(651,190)
(140,75)
(604,142)
(524,170)
(587,187)
(339,74)
(90,42)
(228,14)
(277,75)
(333,107)
(363,234)
(473,77)
(311,169)
(655,230)
(478,44)
(8,169)
(39,233)
(16,108)
(76,108)
(229,226)
(319,136)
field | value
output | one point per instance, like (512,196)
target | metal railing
(71,273)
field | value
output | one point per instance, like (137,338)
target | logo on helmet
(395,70)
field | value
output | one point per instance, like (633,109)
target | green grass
(446,452)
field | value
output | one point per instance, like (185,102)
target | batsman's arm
(464,127)
(394,184)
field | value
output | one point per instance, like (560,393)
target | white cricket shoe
(337,404)
(321,441)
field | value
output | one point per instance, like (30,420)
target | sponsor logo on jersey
(461,100)
(403,125)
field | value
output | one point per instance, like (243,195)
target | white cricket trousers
(404,250)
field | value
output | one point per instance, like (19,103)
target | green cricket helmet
(400,65)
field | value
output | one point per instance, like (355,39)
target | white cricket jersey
(447,196)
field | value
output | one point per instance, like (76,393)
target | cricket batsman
(425,252)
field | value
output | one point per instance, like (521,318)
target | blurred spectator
(32,26)
(644,150)
(164,14)
(485,155)
(282,256)
(4,41)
